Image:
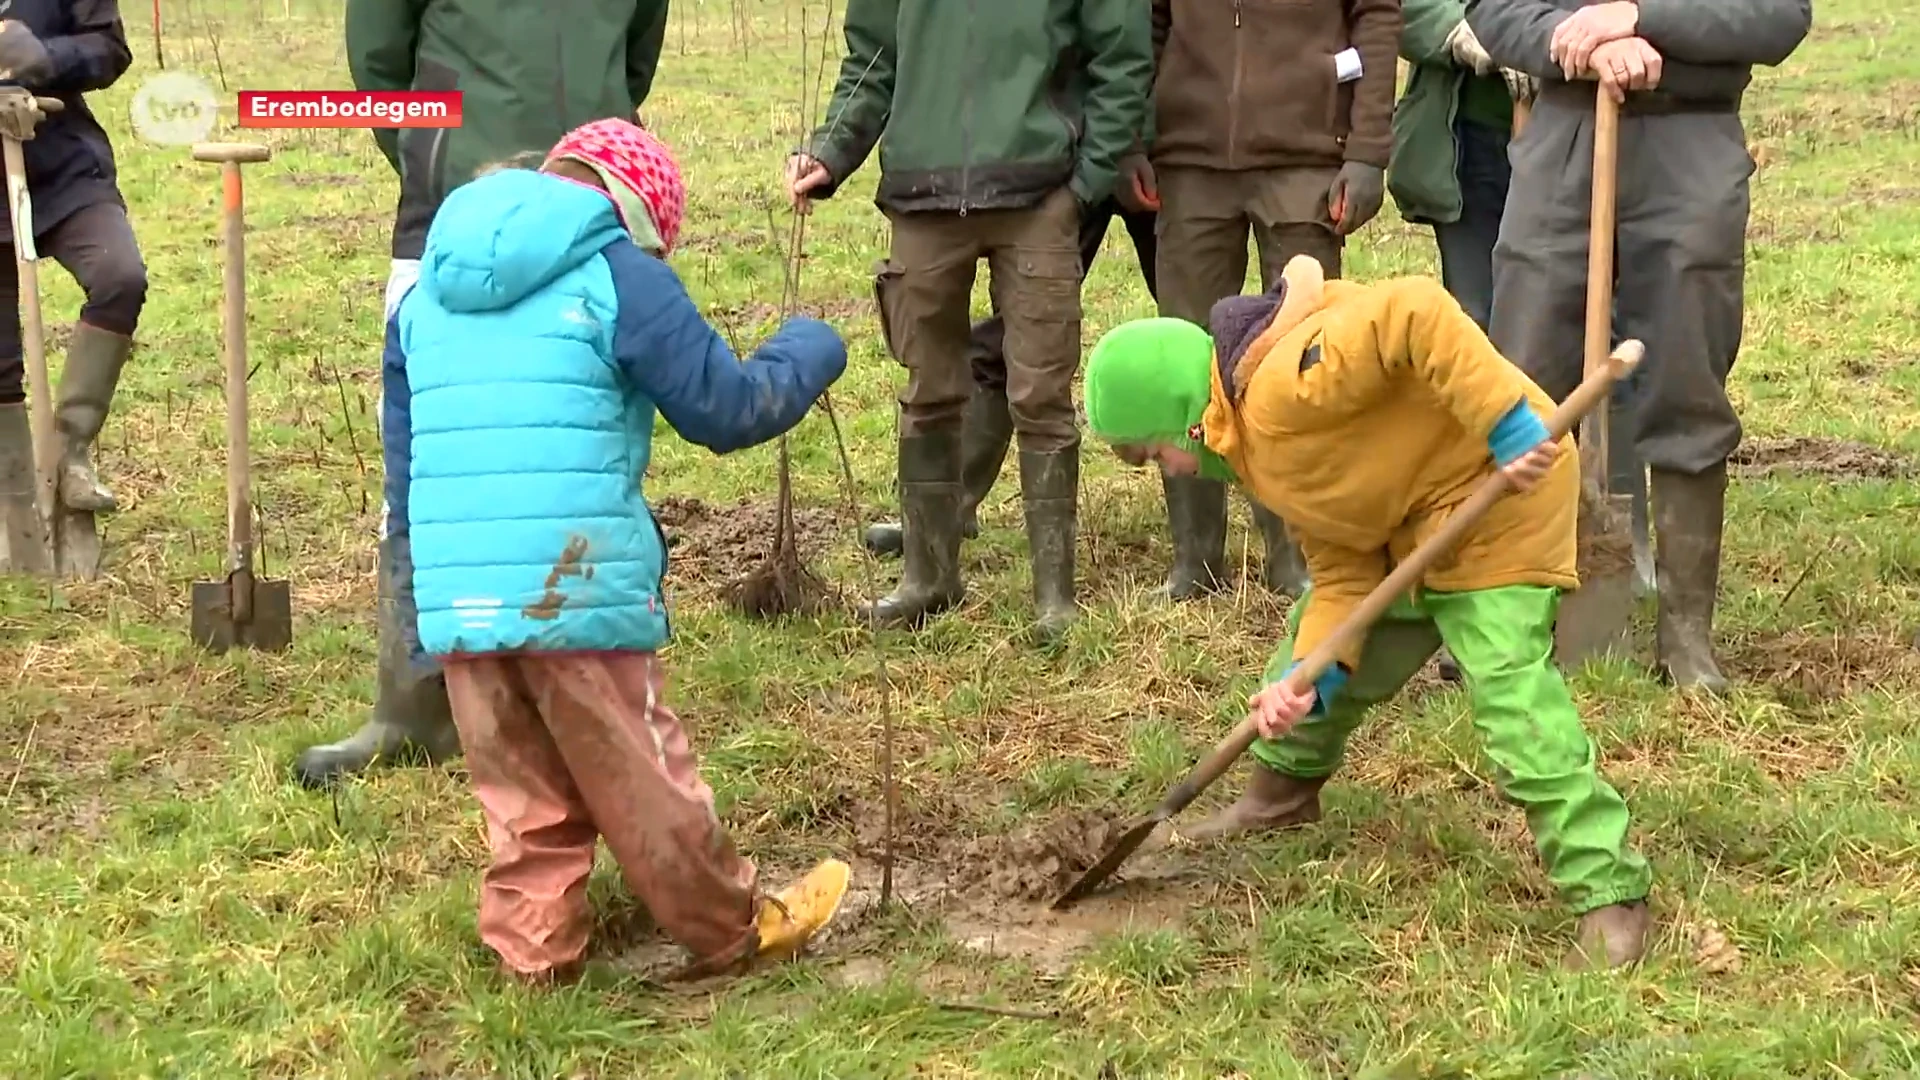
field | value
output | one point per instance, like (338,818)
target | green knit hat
(1148,382)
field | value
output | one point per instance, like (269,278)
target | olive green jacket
(987,104)
(1423,176)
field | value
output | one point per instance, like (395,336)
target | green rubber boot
(930,514)
(94,362)
(1050,488)
(1284,571)
(1197,518)
(1689,514)
(986,432)
(412,718)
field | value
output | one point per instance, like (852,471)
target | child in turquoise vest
(523,374)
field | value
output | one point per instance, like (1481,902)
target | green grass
(171,905)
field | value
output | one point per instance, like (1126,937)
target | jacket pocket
(886,299)
(423,151)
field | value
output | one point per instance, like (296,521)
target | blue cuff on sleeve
(1517,432)
(1325,688)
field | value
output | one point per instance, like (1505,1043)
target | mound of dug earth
(709,542)
(1038,862)
(1837,459)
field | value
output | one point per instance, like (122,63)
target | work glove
(18,114)
(23,59)
(1356,196)
(1137,188)
(1520,85)
(1467,51)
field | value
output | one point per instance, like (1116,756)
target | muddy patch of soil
(1819,668)
(1038,862)
(711,542)
(1835,459)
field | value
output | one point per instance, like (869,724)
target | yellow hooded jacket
(1360,415)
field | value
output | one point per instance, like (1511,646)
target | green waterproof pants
(1544,761)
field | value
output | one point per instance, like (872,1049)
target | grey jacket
(1709,46)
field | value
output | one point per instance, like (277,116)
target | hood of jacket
(509,234)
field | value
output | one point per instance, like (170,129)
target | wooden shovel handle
(1606,159)
(1592,392)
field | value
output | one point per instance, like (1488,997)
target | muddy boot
(1050,486)
(94,361)
(1272,801)
(789,919)
(986,431)
(1610,937)
(1688,514)
(25,550)
(1197,517)
(930,515)
(1284,571)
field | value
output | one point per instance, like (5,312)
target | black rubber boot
(985,434)
(1284,571)
(930,515)
(20,527)
(1049,487)
(412,718)
(94,362)
(1689,512)
(1197,517)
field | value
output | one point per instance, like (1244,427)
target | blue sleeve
(396,429)
(709,395)
(1517,432)
(1325,688)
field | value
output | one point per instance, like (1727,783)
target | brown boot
(1272,801)
(1617,933)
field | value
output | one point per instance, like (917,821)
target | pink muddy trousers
(567,747)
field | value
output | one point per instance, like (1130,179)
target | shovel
(243,610)
(1592,392)
(1597,618)
(68,541)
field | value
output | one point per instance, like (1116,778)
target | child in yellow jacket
(1277,397)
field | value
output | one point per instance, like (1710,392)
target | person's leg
(1200,258)
(412,716)
(1544,761)
(1035,262)
(20,528)
(1683,214)
(987,430)
(924,291)
(533,898)
(1540,258)
(97,246)
(1290,218)
(638,776)
(1288,773)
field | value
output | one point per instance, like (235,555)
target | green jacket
(1423,174)
(987,104)
(528,73)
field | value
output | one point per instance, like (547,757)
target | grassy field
(171,904)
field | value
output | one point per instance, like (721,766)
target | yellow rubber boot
(791,918)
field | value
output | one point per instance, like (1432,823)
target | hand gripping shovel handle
(1591,393)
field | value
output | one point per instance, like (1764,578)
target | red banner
(349,109)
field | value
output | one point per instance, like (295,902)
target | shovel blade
(1595,621)
(1122,849)
(214,628)
(78,538)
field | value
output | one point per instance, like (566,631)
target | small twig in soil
(997,1010)
(1804,571)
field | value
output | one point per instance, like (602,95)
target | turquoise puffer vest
(528,526)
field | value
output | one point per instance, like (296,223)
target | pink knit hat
(627,155)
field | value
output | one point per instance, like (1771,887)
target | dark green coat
(1423,176)
(529,73)
(987,104)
